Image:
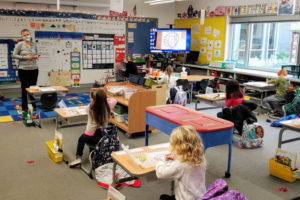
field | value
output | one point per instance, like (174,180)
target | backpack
(108,143)
(218,190)
(252,136)
(293,107)
(177,96)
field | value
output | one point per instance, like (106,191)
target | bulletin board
(8,69)
(56,38)
(138,36)
(208,39)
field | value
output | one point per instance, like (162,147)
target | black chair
(214,84)
(48,103)
(184,83)
(88,168)
(201,86)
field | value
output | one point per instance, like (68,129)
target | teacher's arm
(16,53)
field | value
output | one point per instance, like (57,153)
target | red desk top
(184,116)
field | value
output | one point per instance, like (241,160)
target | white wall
(164,12)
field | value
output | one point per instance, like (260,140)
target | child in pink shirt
(234,95)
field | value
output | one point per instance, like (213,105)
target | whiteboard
(55,53)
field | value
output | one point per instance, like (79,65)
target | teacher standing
(26,52)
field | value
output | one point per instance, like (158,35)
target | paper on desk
(159,146)
(82,111)
(131,150)
(259,84)
(34,87)
(47,89)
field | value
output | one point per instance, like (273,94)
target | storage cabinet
(136,105)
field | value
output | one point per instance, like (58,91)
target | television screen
(170,40)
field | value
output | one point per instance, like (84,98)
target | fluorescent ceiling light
(155,2)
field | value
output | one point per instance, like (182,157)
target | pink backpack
(219,191)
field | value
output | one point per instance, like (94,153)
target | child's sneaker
(75,163)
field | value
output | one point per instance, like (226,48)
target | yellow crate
(282,171)
(55,156)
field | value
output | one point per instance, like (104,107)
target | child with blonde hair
(188,166)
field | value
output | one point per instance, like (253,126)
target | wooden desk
(196,78)
(39,91)
(213,131)
(64,118)
(36,93)
(261,87)
(293,125)
(211,98)
(130,166)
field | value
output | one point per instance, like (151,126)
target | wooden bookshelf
(136,105)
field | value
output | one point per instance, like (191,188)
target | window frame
(249,20)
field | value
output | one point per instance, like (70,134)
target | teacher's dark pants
(27,78)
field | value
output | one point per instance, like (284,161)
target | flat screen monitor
(170,40)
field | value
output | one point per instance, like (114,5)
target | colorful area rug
(11,110)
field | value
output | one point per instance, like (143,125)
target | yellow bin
(52,153)
(282,171)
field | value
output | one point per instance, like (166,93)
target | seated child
(234,95)
(168,80)
(98,116)
(188,166)
(282,85)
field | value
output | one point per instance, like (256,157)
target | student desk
(65,116)
(134,170)
(210,98)
(196,78)
(60,90)
(293,125)
(261,87)
(213,131)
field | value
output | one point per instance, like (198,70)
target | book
(286,158)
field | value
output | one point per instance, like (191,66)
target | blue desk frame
(209,139)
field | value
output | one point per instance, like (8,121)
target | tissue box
(222,64)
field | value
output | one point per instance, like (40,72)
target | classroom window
(266,46)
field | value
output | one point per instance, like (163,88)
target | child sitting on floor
(282,85)
(188,166)
(234,95)
(98,116)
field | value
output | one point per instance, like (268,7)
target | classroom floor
(45,179)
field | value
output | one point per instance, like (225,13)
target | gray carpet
(48,180)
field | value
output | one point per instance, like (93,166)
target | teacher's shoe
(75,163)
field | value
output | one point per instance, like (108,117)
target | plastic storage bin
(282,171)
(126,119)
(119,118)
(52,153)
(119,109)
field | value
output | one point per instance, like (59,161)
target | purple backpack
(219,191)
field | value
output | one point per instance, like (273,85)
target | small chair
(185,87)
(48,103)
(110,142)
(214,84)
(202,85)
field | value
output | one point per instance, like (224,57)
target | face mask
(27,38)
